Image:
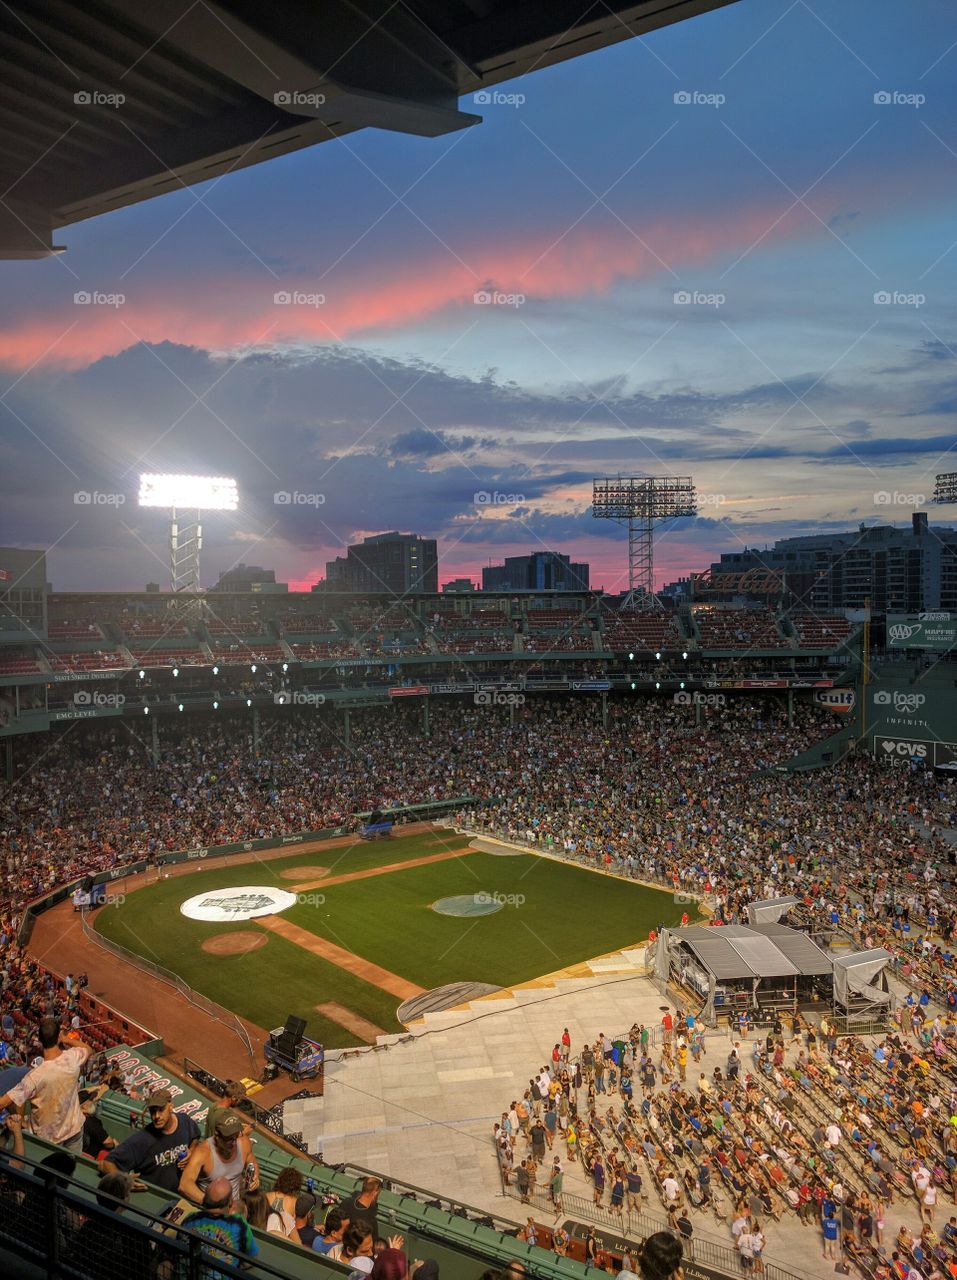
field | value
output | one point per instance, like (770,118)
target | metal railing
(212,1010)
(268,1120)
(58,1224)
(634,1225)
(859,1025)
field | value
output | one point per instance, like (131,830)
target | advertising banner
(936,631)
(840,700)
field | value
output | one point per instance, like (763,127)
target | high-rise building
(540,571)
(900,570)
(249,577)
(395,563)
(23,592)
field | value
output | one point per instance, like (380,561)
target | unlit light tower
(639,501)
(186,497)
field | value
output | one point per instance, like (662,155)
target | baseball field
(362,935)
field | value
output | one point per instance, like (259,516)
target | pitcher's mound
(304,873)
(235,944)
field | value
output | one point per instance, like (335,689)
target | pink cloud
(230,313)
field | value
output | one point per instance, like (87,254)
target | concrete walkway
(423,1109)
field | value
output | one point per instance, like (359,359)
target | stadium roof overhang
(211,86)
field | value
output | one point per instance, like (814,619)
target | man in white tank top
(225,1155)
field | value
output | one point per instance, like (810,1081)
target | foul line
(328,881)
(347,960)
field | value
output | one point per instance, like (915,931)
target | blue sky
(725,250)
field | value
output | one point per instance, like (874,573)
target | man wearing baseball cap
(227,1154)
(158,1151)
(234,1093)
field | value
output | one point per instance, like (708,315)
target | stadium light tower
(186,497)
(945,487)
(639,501)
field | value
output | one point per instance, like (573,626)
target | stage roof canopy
(760,951)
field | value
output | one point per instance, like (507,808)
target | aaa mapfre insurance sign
(937,631)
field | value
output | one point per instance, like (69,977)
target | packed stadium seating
(247,651)
(18,665)
(824,631)
(318,650)
(737,628)
(306,624)
(645,631)
(238,627)
(137,629)
(97,660)
(62,630)
(164,656)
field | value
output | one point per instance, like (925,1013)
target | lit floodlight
(215,671)
(201,493)
(142,675)
(181,706)
(176,671)
(185,498)
(146,711)
(215,706)
(249,702)
(253,668)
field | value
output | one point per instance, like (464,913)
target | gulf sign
(840,700)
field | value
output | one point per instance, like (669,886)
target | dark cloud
(362,442)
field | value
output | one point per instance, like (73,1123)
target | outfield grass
(562,914)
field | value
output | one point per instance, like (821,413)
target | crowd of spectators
(667,792)
(840,1134)
(92,800)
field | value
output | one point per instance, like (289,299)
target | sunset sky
(727,250)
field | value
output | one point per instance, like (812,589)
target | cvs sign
(891,747)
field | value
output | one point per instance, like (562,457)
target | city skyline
(723,250)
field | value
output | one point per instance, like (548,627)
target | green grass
(568,915)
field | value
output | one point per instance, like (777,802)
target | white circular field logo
(244,903)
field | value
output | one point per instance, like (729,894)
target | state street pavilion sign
(243,903)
